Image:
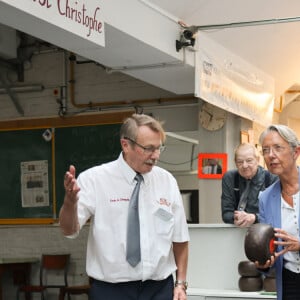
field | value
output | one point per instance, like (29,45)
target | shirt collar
(127,172)
(257,178)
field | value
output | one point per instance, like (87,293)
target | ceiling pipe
(23,89)
(12,95)
(193,29)
(116,104)
(141,67)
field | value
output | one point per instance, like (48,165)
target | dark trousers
(290,285)
(133,290)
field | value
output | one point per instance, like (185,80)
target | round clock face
(212,117)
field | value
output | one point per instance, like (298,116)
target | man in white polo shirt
(103,193)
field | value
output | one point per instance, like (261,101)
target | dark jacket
(230,194)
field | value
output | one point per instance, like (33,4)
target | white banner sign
(227,81)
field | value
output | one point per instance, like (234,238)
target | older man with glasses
(138,236)
(241,187)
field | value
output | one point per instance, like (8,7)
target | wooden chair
(74,290)
(50,263)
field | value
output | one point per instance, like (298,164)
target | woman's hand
(268,264)
(287,241)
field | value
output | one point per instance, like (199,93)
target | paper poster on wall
(34,183)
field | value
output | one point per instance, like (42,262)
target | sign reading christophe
(76,11)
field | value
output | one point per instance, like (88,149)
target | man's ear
(125,145)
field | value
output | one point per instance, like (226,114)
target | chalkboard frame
(56,123)
(26,174)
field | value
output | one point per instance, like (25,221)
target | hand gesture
(70,184)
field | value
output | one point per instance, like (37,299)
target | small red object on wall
(212,165)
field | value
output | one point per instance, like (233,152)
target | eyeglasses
(277,149)
(148,150)
(248,161)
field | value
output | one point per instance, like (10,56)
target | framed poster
(212,165)
(244,137)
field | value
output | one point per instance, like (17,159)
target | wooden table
(20,268)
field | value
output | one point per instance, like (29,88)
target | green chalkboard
(29,149)
(28,162)
(83,147)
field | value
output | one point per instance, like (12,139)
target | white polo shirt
(104,197)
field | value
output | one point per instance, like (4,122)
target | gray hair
(284,131)
(131,124)
(246,146)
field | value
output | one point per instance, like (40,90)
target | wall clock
(212,117)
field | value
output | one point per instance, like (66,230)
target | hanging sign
(82,18)
(227,81)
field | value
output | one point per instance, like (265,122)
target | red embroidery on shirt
(119,200)
(163,201)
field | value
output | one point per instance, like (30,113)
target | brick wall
(32,241)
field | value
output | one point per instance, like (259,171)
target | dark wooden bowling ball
(259,242)
(269,284)
(246,268)
(250,284)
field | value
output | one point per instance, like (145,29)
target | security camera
(188,34)
(47,135)
(187,37)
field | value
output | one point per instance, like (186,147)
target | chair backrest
(56,264)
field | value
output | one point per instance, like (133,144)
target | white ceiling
(273,48)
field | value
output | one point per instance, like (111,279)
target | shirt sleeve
(86,202)
(181,233)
